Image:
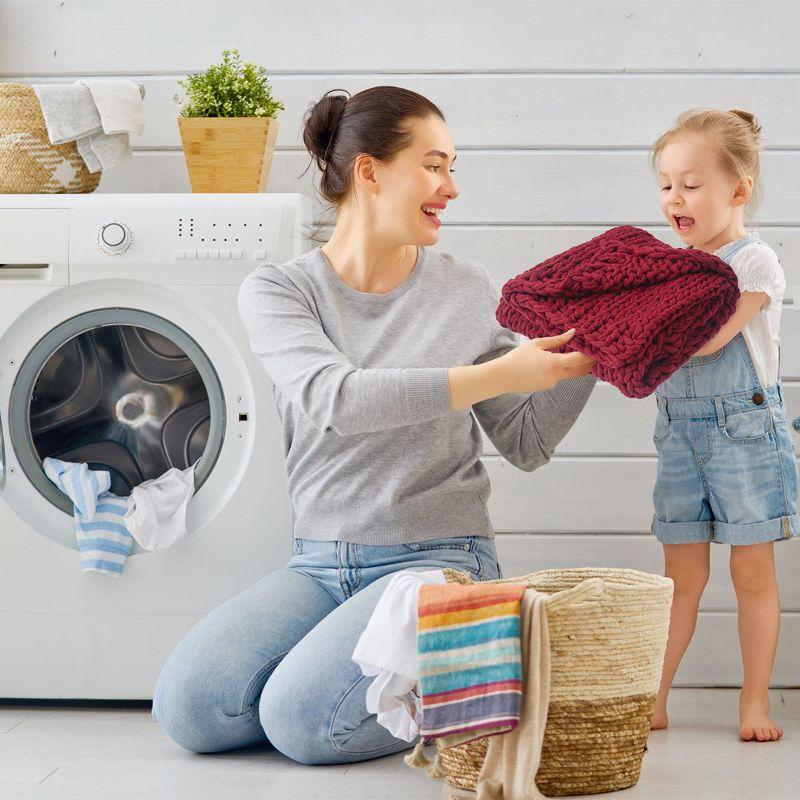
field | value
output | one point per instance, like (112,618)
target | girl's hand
(531,368)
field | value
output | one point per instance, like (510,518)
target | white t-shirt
(758,269)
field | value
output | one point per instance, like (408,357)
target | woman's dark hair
(338,128)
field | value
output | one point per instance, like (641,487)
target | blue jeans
(274,662)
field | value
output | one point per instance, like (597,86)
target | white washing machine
(121,347)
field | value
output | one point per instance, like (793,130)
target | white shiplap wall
(552,106)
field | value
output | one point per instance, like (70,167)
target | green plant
(229,89)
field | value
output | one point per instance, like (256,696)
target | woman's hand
(529,367)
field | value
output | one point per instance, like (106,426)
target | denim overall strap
(727,371)
(727,252)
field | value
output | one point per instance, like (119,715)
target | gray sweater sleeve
(288,338)
(526,428)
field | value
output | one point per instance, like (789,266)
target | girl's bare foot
(755,724)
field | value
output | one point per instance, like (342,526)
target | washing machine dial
(114,238)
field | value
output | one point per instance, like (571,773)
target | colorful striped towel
(468,643)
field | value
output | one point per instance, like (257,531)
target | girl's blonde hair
(735,134)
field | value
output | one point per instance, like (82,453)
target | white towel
(156,514)
(119,103)
(101,536)
(388,649)
(98,115)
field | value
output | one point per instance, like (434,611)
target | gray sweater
(374,454)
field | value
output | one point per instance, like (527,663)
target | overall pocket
(748,426)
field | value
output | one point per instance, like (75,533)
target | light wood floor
(92,753)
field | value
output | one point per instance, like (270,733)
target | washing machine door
(121,390)
(133,391)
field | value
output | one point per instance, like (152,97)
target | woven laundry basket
(608,634)
(29,163)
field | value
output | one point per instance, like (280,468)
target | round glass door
(121,390)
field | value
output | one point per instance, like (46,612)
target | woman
(378,349)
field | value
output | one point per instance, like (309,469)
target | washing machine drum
(125,398)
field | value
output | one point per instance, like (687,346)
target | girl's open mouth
(683,223)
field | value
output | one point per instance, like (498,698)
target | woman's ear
(743,191)
(364,174)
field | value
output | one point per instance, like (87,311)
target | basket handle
(589,588)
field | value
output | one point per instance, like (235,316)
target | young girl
(727,470)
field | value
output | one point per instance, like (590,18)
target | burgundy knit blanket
(640,308)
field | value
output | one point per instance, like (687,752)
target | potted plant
(228,126)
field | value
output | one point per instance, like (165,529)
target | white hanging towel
(388,649)
(156,514)
(98,115)
(119,103)
(101,536)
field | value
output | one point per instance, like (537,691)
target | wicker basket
(29,163)
(608,634)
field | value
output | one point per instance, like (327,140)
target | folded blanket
(468,643)
(640,308)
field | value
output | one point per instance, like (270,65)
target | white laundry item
(394,699)
(101,151)
(71,113)
(119,103)
(156,515)
(387,648)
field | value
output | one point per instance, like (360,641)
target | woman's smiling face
(698,195)
(416,185)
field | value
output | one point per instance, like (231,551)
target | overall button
(758,398)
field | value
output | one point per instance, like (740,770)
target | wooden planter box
(228,154)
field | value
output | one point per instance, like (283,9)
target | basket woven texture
(608,633)
(29,163)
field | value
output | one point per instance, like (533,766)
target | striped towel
(468,643)
(101,535)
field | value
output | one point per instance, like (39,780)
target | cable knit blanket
(640,308)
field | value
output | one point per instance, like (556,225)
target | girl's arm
(748,305)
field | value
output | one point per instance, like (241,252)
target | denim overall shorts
(727,468)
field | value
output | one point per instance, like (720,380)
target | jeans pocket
(748,426)
(458,552)
(464,543)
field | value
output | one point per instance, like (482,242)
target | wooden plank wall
(552,106)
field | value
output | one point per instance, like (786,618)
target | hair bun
(320,124)
(749,118)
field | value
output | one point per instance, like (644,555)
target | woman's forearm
(525,368)
(475,382)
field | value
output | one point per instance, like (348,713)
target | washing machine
(121,347)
